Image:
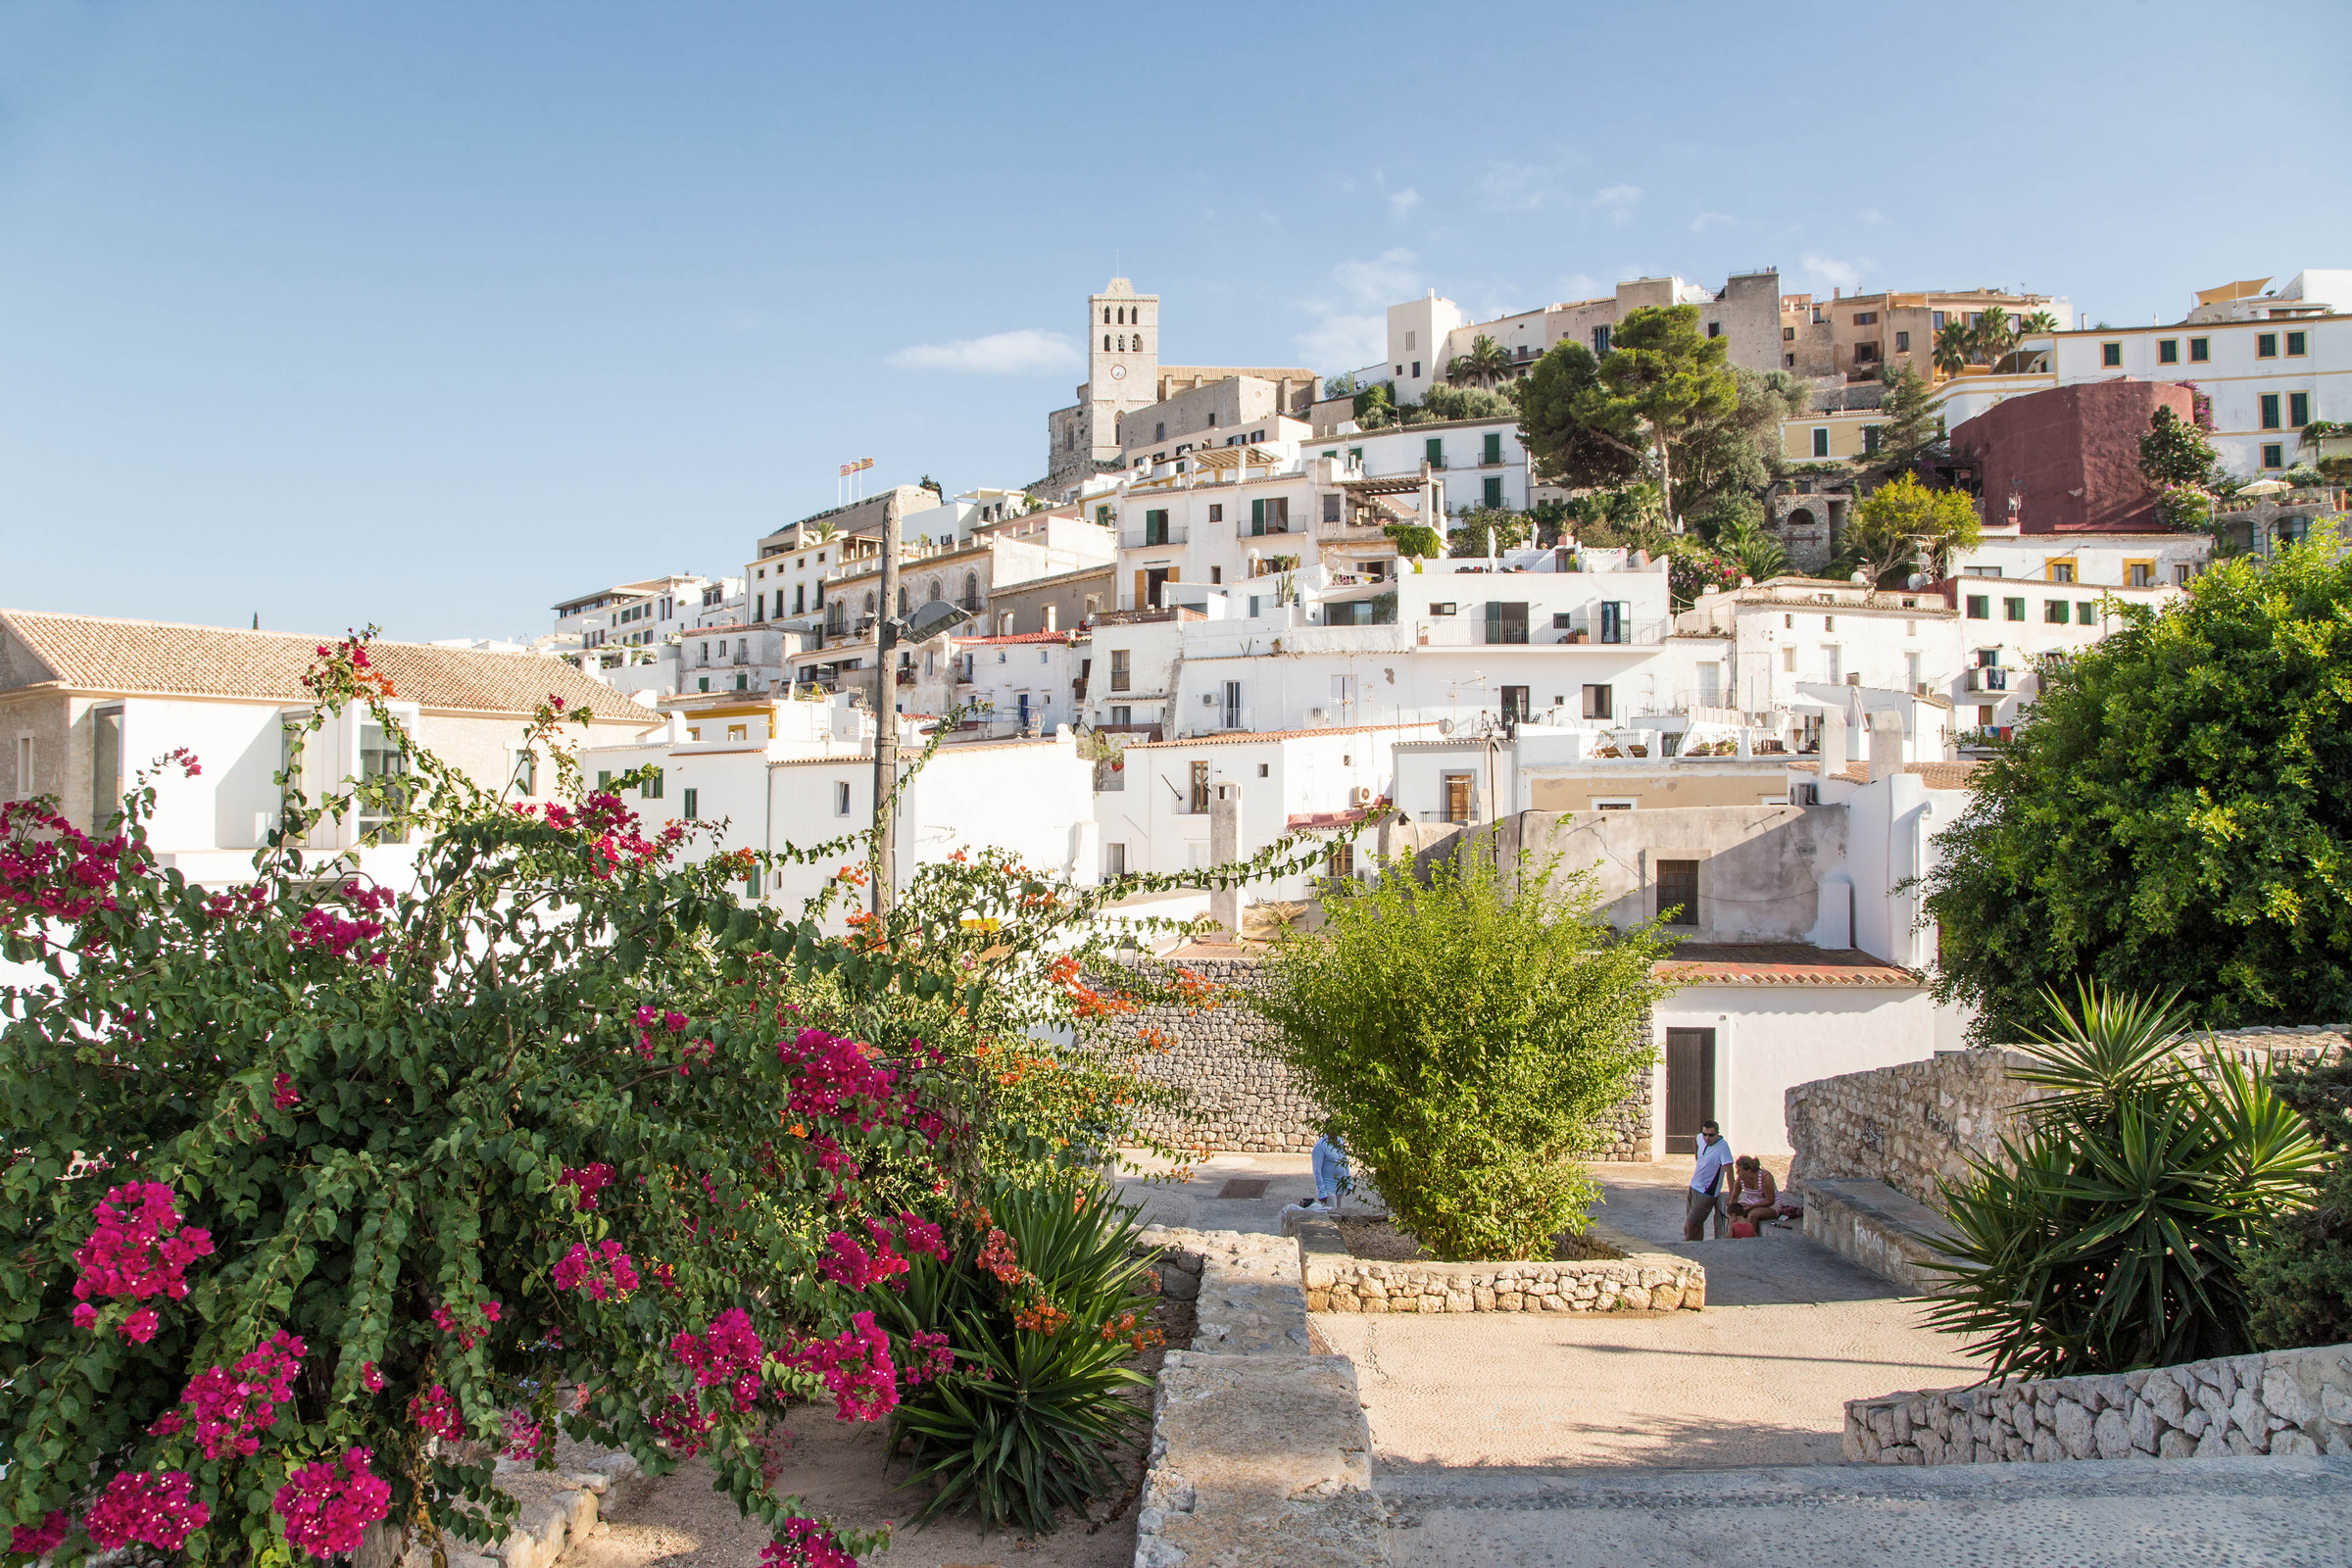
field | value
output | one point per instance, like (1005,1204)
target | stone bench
(1872,1224)
(1620,1274)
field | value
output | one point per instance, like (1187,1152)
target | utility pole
(883,869)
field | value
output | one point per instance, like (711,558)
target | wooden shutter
(1689,1087)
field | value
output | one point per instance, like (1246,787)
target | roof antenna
(257,620)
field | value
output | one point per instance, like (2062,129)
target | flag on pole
(847,468)
(865,462)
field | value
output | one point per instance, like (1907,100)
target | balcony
(1150,537)
(1469,630)
(1988,678)
(1246,529)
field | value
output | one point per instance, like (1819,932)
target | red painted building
(2069,456)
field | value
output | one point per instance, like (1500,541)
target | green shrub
(1462,1034)
(1041,1311)
(2299,1273)
(2110,1233)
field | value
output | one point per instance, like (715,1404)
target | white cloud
(1345,342)
(1870,215)
(1401,202)
(1387,278)
(1514,187)
(1582,286)
(1619,202)
(1699,224)
(1028,351)
(1829,269)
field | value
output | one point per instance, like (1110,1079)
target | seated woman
(1754,1197)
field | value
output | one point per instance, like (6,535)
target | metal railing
(1147,538)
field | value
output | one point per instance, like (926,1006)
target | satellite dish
(1444,726)
(932,619)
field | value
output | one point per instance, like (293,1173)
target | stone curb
(1621,1276)
(2277,1402)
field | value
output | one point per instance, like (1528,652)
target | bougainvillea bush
(324,1195)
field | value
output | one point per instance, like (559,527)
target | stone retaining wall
(1619,1277)
(2276,1403)
(1240,1099)
(1908,1124)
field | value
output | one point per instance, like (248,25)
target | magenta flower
(155,1509)
(328,1506)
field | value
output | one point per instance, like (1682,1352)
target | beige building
(1125,377)
(1856,335)
(86,701)
(1238,411)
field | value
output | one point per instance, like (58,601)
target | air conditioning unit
(1360,795)
(1315,713)
(1208,700)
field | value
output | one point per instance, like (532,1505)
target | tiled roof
(1242,737)
(1938,776)
(1019,637)
(1781,963)
(162,659)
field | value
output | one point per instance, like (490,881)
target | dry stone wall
(2276,1403)
(1616,1275)
(1908,1124)
(1238,1098)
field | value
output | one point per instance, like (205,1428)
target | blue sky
(432,315)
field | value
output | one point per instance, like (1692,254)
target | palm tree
(1994,335)
(1489,361)
(1459,371)
(2040,322)
(1953,348)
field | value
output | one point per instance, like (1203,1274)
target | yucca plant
(1044,1314)
(2109,1234)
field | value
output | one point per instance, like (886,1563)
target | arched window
(935,592)
(870,603)
(1106,315)
(902,604)
(1106,342)
(1139,343)
(971,590)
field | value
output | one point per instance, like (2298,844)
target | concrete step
(2144,1513)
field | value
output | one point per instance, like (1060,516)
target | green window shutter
(1434,447)
(1494,447)
(603,778)
(1493,621)
(1258,517)
(1494,491)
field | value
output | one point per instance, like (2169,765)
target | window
(1443,606)
(692,805)
(1417,369)
(2060,571)
(1457,798)
(1156,527)
(1330,507)
(2054,612)
(1491,493)
(1412,341)
(1677,891)
(751,885)
(1866,354)
(1600,342)
(1433,451)
(1910,671)
(2168,351)
(1598,702)
(2013,610)
(1936,320)
(1199,798)
(381,760)
(2265,345)
(2270,411)
(1339,861)
(1902,342)
(1216,574)
(24,769)
(1828,623)
(1505,622)
(1159,430)
(1714,329)
(2086,612)
(2181,573)
(840,797)
(2200,349)
(1120,674)
(2295,345)
(524,775)
(1832,662)
(1492,450)
(739,732)
(1787,334)
(2299,410)
(651,788)
(1870,437)
(1821,440)
(1114,860)
(1788,660)
(2139,574)
(1516,709)
(2273,455)
(1866,318)
(1616,621)
(2111,356)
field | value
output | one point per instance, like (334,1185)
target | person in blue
(1331,1173)
(1706,1183)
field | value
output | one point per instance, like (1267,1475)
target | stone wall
(1617,1274)
(1240,1099)
(2277,1402)
(1908,1124)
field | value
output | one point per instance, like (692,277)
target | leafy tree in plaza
(1464,1034)
(2174,810)
(1903,522)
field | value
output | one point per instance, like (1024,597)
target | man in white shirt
(1707,1182)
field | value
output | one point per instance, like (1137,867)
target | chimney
(1049,609)
(1833,743)
(1885,743)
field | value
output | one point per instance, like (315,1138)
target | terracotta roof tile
(163,659)
(1244,737)
(1781,963)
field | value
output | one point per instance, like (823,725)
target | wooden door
(1689,1087)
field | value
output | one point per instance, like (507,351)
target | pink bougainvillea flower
(155,1509)
(328,1506)
(38,1540)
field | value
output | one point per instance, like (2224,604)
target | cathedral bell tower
(1122,360)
